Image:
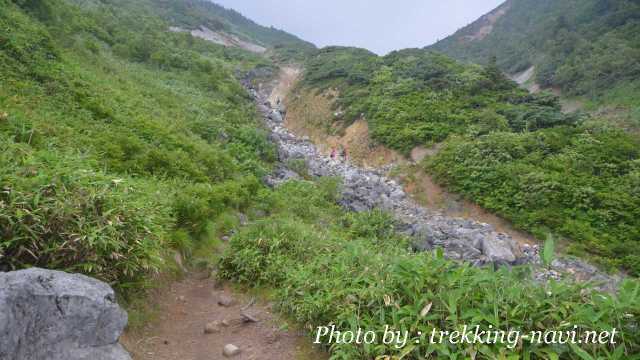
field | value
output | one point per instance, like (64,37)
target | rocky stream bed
(366,189)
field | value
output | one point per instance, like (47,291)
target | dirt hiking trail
(197,303)
(199,317)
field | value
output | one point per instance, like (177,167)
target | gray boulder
(52,315)
(276,116)
(499,248)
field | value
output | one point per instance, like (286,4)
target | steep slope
(124,145)
(415,97)
(101,110)
(583,47)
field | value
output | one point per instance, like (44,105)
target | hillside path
(186,307)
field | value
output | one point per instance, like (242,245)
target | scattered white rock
(212,327)
(231,350)
(225,300)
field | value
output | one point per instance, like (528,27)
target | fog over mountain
(378,25)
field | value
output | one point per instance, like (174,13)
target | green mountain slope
(119,140)
(122,142)
(192,14)
(583,47)
(512,152)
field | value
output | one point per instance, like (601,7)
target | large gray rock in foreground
(52,315)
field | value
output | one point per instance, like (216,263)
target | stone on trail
(230,350)
(247,317)
(276,116)
(53,315)
(212,327)
(225,301)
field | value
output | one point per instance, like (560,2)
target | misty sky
(378,25)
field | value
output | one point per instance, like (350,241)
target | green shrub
(57,212)
(374,225)
(415,97)
(548,250)
(579,183)
(122,141)
(299,166)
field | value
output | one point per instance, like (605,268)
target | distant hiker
(344,154)
(333,153)
(278,100)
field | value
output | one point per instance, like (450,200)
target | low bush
(579,183)
(57,212)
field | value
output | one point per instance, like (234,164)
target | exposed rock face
(367,189)
(52,315)
(280,174)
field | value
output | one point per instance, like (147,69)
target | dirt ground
(310,114)
(288,77)
(187,306)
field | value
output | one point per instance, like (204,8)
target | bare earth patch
(221,38)
(186,307)
(288,78)
(487,22)
(311,115)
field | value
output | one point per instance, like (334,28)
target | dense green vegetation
(414,97)
(513,152)
(582,183)
(122,142)
(584,47)
(119,140)
(349,270)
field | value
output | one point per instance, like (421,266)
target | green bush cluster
(516,154)
(58,211)
(579,182)
(414,97)
(349,270)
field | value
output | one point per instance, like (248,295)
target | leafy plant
(548,250)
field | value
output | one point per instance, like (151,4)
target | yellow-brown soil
(310,114)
